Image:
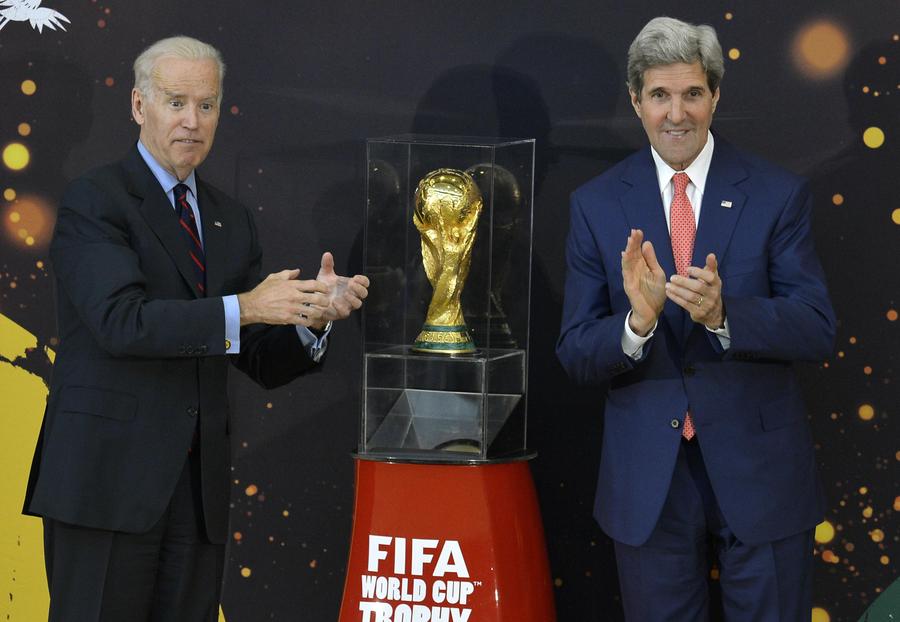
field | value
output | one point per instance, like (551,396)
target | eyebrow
(700,87)
(177,95)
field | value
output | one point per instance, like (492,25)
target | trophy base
(444,340)
(493,330)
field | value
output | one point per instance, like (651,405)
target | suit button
(688,370)
(191,411)
(675,423)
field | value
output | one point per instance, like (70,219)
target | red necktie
(191,236)
(684,229)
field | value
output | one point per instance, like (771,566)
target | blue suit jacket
(746,402)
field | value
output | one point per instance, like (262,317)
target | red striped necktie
(684,230)
(191,236)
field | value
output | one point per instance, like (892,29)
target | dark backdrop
(308,82)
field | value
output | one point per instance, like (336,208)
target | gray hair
(665,41)
(173,47)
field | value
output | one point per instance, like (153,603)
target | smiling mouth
(187,141)
(677,133)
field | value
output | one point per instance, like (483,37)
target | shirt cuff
(315,345)
(232,324)
(632,343)
(723,334)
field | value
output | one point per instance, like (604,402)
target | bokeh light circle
(16,156)
(734,53)
(821,49)
(891,315)
(28,222)
(820,615)
(24,129)
(866,412)
(29,87)
(837,199)
(824,532)
(895,216)
(246,572)
(873,137)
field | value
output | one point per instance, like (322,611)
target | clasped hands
(282,298)
(699,293)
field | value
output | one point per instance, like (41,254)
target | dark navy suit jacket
(142,354)
(746,402)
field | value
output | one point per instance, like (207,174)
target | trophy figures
(488,324)
(447,206)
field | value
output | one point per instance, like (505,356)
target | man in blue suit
(692,287)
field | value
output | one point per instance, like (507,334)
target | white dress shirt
(697,171)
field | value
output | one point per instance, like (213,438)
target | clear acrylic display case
(434,406)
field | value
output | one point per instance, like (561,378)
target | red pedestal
(446,543)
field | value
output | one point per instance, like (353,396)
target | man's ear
(137,106)
(635,102)
(715,99)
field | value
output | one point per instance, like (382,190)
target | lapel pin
(218,223)
(725,204)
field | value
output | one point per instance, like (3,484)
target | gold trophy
(448,204)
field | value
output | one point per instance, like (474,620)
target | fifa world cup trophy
(447,206)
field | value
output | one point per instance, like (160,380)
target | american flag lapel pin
(725,204)
(218,223)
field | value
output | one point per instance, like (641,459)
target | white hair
(173,47)
(666,41)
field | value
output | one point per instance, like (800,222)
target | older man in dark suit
(158,288)
(692,287)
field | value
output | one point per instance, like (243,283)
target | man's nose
(189,119)
(676,111)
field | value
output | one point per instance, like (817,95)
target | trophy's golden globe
(447,206)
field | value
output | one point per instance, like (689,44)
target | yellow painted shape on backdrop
(22,399)
(14,339)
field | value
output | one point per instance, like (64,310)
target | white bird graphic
(31,10)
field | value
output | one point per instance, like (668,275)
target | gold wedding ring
(699,301)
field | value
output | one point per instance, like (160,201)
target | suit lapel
(213,239)
(160,215)
(721,209)
(643,208)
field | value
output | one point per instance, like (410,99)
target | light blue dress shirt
(315,347)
